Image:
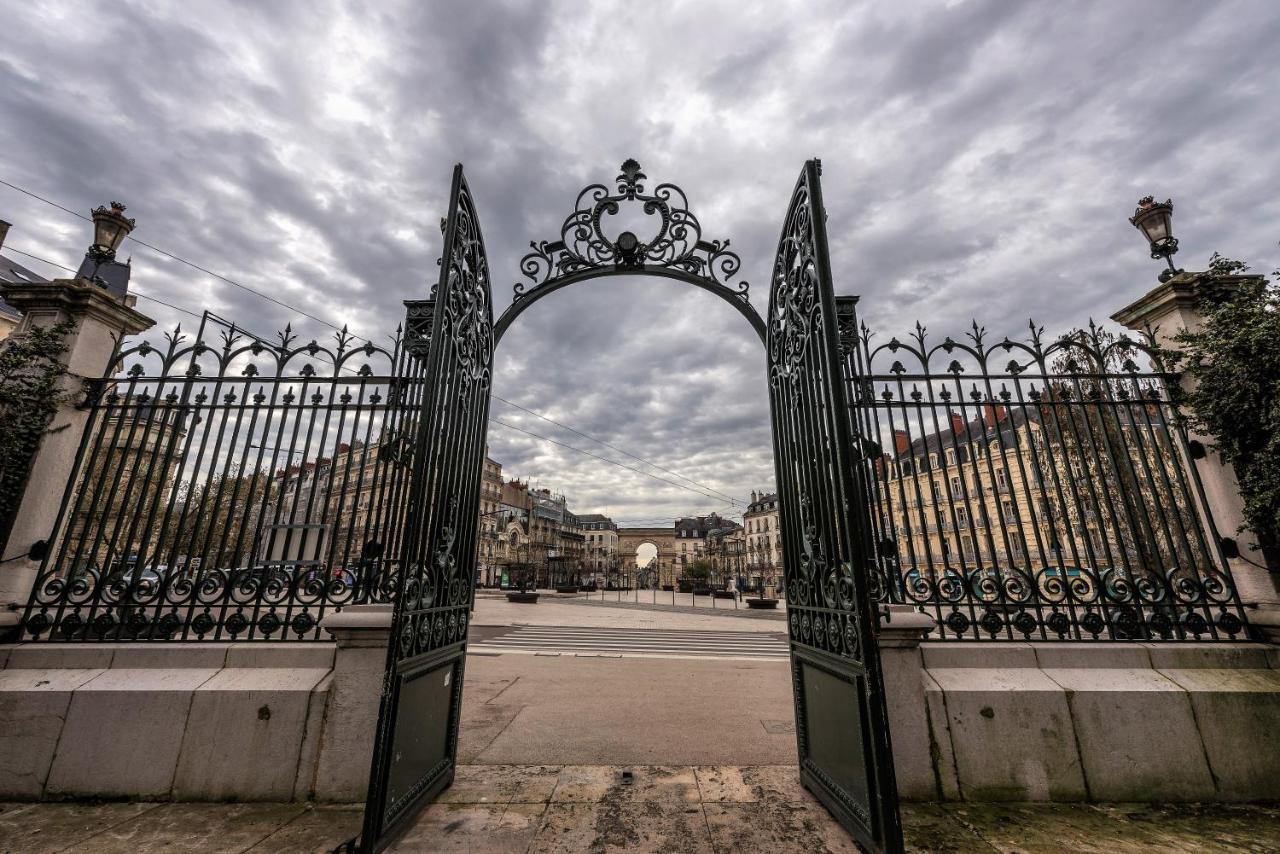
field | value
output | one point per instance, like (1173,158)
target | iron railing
(230,487)
(1035,490)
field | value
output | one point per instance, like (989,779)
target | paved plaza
(495,809)
(563,696)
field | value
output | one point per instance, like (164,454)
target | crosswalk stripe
(548,630)
(776,649)
(554,639)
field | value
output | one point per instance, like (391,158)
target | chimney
(901,441)
(753,497)
(957,424)
(4,232)
(992,413)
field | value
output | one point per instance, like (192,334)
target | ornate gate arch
(841,726)
(677,249)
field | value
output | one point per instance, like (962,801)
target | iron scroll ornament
(676,249)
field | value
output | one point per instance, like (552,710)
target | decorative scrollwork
(795,311)
(676,243)
(468,316)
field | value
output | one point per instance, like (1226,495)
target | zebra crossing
(612,642)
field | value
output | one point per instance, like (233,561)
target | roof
(704,524)
(12,271)
(975,430)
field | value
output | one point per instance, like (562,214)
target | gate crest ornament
(796,312)
(677,242)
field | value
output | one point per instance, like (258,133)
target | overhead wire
(718,494)
(178,258)
(139,294)
(493,420)
(502,423)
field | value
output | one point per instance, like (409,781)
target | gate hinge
(1196,448)
(1230,548)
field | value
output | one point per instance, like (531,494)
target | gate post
(361,633)
(99,319)
(1168,309)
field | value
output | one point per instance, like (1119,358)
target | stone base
(1086,722)
(198,722)
(969,721)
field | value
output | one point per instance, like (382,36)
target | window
(962,516)
(1010,515)
(1002,480)
(951,457)
(957,488)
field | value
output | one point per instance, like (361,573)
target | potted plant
(761,601)
(521,593)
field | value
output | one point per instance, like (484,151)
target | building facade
(764,535)
(694,534)
(1024,494)
(601,534)
(557,539)
(490,528)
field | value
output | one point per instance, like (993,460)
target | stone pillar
(1168,309)
(902,666)
(346,746)
(99,319)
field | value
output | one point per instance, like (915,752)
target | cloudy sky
(979,160)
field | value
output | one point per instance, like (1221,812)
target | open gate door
(841,724)
(416,742)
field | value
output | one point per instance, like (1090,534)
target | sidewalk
(706,606)
(503,808)
(552,610)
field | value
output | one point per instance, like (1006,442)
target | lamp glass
(1156,227)
(107,232)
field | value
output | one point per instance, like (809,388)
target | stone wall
(1075,722)
(969,721)
(187,722)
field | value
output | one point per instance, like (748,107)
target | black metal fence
(230,487)
(1035,489)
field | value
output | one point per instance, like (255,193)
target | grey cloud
(979,161)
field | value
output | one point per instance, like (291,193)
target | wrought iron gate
(415,745)
(841,724)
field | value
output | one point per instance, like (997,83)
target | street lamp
(1155,221)
(110,227)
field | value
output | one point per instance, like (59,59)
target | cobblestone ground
(519,808)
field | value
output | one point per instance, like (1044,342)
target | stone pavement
(574,710)
(492,809)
